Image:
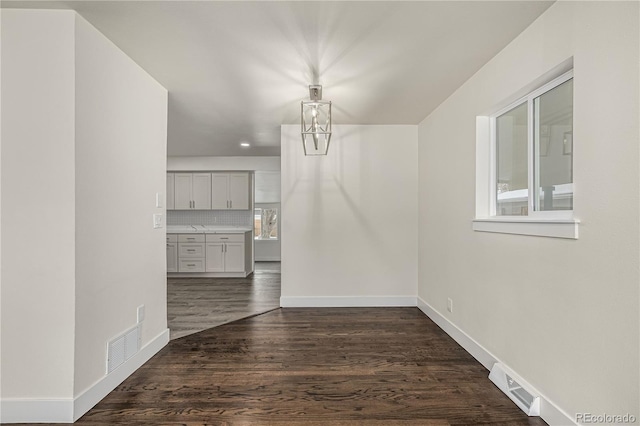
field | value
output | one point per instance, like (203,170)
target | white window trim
(555,228)
(556,224)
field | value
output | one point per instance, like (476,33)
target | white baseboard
(346,301)
(476,350)
(94,394)
(549,412)
(209,274)
(36,410)
(69,410)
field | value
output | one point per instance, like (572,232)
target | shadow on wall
(338,188)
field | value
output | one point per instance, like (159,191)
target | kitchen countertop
(206,229)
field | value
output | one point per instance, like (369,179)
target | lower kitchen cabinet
(234,257)
(190,253)
(172,253)
(191,265)
(225,253)
(215,257)
(210,255)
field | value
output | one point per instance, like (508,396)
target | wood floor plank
(196,304)
(338,366)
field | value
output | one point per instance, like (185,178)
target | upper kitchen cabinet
(219,191)
(230,191)
(192,191)
(171,203)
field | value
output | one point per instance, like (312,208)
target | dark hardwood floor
(338,366)
(196,304)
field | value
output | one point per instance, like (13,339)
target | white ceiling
(237,70)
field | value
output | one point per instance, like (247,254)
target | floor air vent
(122,348)
(517,389)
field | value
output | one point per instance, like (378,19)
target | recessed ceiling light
(245,144)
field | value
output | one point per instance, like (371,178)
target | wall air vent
(122,348)
(519,391)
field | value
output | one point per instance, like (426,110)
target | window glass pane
(269,224)
(512,162)
(553,138)
(257,223)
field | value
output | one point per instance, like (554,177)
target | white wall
(38,197)
(267,187)
(121,141)
(564,314)
(1,322)
(83,140)
(223,163)
(350,218)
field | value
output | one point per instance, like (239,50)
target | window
(534,152)
(265,224)
(531,162)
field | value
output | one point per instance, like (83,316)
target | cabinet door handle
(191,264)
(231,203)
(225,248)
(191,249)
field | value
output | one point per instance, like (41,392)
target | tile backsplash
(210,217)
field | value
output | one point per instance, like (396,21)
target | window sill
(554,228)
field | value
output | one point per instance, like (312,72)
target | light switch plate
(140,313)
(158,199)
(157,220)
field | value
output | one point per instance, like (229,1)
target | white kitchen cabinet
(171,203)
(191,265)
(191,253)
(239,191)
(225,252)
(201,191)
(219,191)
(210,254)
(230,191)
(234,257)
(172,253)
(182,191)
(225,257)
(191,238)
(192,191)
(215,257)
(190,250)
